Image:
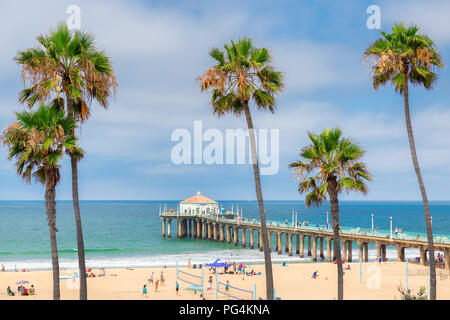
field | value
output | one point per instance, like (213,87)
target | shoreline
(253,256)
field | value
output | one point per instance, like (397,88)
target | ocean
(129,233)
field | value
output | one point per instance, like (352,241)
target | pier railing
(411,236)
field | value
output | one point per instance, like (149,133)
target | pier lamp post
(292,216)
(372,221)
(390,219)
(327,220)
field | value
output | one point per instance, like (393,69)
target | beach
(294,281)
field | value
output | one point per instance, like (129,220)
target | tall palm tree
(69,63)
(243,73)
(402,57)
(329,165)
(37,141)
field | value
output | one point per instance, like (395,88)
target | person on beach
(3,267)
(156,285)
(315,274)
(177,288)
(189,263)
(9,291)
(227,287)
(150,280)
(144,291)
(162,278)
(209,285)
(32,290)
(103,274)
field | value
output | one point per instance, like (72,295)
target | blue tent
(217,264)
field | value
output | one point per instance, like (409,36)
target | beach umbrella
(22,282)
(217,264)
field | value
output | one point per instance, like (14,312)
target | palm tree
(242,74)
(68,62)
(402,57)
(37,141)
(330,165)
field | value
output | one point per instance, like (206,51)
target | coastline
(170,260)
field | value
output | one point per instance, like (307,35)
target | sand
(380,281)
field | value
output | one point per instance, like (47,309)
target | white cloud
(431,15)
(312,65)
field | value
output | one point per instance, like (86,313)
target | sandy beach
(293,281)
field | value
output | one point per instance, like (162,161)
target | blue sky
(158,49)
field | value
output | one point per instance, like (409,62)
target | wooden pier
(210,227)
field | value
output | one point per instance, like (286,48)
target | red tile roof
(198,199)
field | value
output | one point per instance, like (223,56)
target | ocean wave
(170,260)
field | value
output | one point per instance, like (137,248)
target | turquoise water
(128,233)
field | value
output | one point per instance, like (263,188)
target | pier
(211,227)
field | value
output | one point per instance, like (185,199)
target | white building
(199,204)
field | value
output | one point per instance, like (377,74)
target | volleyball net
(189,278)
(234,293)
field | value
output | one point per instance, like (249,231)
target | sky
(159,48)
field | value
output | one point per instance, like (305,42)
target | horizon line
(400,200)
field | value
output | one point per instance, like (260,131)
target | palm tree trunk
(262,212)
(76,209)
(334,208)
(423,192)
(80,242)
(50,205)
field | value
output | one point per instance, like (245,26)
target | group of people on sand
(91,274)
(15,269)
(242,269)
(22,291)
(315,274)
(151,281)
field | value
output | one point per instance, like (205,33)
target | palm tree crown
(404,55)
(69,62)
(330,157)
(242,73)
(38,140)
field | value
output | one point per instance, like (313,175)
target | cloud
(431,15)
(312,65)
(158,50)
